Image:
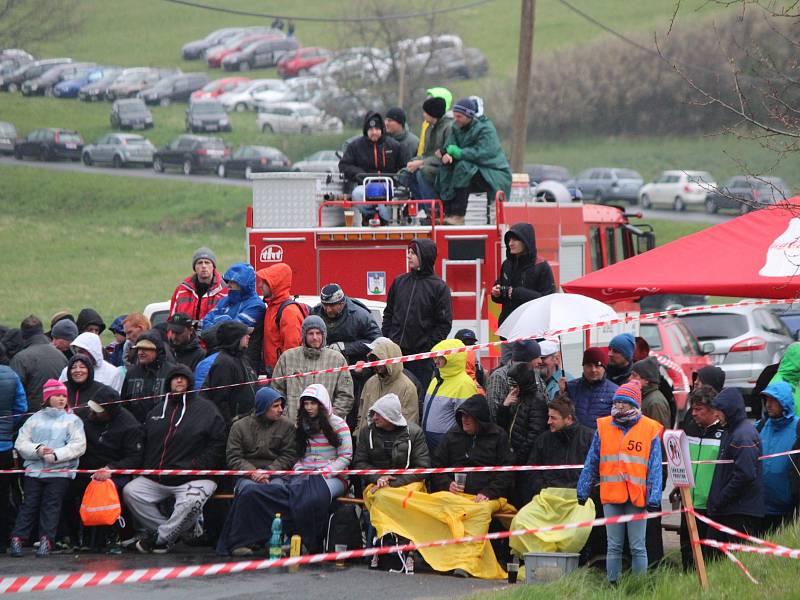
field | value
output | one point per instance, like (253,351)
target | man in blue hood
(242,302)
(778,430)
(736,497)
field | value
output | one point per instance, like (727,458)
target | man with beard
(183,340)
(144,381)
(620,358)
(592,393)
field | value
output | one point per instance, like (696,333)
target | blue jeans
(384,211)
(616,540)
(420,188)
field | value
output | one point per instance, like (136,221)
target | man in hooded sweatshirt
(314,355)
(37,361)
(620,358)
(82,385)
(419,311)
(242,302)
(199,293)
(778,431)
(88,344)
(523,412)
(283,320)
(90,320)
(231,373)
(448,389)
(146,379)
(736,496)
(183,431)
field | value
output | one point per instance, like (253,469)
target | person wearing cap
(625,457)
(395,124)
(419,311)
(592,393)
(736,497)
(473,161)
(63,333)
(88,344)
(231,383)
(283,320)
(49,441)
(654,404)
(183,340)
(242,302)
(551,370)
(711,375)
(182,431)
(59,316)
(778,431)
(474,367)
(263,439)
(37,361)
(436,128)
(116,349)
(314,355)
(13,405)
(145,380)
(497,388)
(201,291)
(387,379)
(620,358)
(350,324)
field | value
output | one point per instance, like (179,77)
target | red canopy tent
(756,255)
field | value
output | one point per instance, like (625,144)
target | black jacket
(418,313)
(402,448)
(146,380)
(527,419)
(737,488)
(364,156)
(488,448)
(189,354)
(528,275)
(116,443)
(566,447)
(183,431)
(354,326)
(79,394)
(230,367)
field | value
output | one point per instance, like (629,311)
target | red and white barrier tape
(763,550)
(63,581)
(730,531)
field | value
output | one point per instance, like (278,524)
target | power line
(392,17)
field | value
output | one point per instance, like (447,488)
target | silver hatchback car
(745,339)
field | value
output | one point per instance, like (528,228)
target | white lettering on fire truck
(272,253)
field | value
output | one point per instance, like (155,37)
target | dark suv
(260,54)
(177,88)
(207,115)
(192,153)
(130,113)
(50,144)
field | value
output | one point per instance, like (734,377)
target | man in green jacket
(473,161)
(425,167)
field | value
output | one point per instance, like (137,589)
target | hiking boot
(454,220)
(242,551)
(15,547)
(150,545)
(43,550)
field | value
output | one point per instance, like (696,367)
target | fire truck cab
(299,219)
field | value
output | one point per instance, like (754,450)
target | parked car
(361,64)
(207,115)
(452,63)
(192,153)
(790,317)
(539,173)
(196,48)
(324,161)
(50,144)
(13,81)
(178,88)
(11,62)
(215,56)
(260,55)
(670,338)
(131,113)
(69,87)
(44,84)
(609,184)
(243,97)
(119,150)
(17,54)
(8,137)
(92,92)
(677,189)
(743,341)
(744,193)
(296,117)
(350,107)
(214,89)
(299,62)
(132,81)
(247,160)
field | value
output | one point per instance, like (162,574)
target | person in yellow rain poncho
(453,510)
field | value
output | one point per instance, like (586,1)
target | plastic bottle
(295,551)
(276,540)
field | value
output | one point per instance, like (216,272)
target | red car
(214,89)
(301,60)
(678,351)
(214,58)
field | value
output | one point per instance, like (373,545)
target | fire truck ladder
(478,293)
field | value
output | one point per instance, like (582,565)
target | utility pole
(519,133)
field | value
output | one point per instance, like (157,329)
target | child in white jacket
(51,439)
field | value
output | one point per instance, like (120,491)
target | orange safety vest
(623,460)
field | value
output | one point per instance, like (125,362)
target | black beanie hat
(397,114)
(435,107)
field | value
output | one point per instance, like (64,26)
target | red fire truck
(299,219)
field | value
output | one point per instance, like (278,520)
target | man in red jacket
(200,292)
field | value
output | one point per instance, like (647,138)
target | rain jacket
(448,389)
(36,362)
(117,443)
(244,305)
(418,311)
(104,371)
(778,435)
(57,429)
(354,327)
(13,401)
(258,443)
(703,445)
(278,340)
(402,448)
(592,399)
(447,96)
(528,275)
(143,381)
(737,488)
(395,381)
(482,153)
(789,371)
(655,405)
(185,300)
(435,137)
(365,156)
(527,419)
